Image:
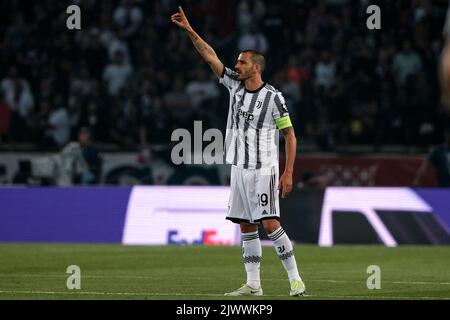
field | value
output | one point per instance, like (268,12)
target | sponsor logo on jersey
(247,115)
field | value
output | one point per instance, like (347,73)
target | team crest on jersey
(258,104)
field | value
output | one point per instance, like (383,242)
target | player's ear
(257,67)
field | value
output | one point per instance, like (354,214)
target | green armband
(283,122)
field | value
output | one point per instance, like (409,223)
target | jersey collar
(253,91)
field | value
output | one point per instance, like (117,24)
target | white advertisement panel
(159,215)
(367,201)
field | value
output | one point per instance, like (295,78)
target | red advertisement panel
(362,171)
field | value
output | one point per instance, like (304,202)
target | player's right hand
(180,19)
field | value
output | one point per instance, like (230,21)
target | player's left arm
(283,122)
(291,151)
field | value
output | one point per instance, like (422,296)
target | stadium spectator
(57,133)
(325,71)
(406,63)
(244,15)
(128,17)
(8,83)
(123,122)
(289,81)
(359,66)
(5,117)
(86,160)
(439,160)
(39,123)
(156,125)
(117,73)
(20,99)
(201,89)
(178,101)
(92,53)
(253,38)
(116,43)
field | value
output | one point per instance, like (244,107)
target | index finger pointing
(181,9)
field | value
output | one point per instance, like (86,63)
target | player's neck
(253,84)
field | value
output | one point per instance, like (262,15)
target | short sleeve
(280,112)
(279,109)
(229,78)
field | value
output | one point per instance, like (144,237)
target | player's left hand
(285,184)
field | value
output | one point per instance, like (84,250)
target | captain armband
(283,122)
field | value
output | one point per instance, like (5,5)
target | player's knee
(248,227)
(271,225)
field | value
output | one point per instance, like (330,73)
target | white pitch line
(120,293)
(25,275)
(378,297)
(108,293)
(374,297)
(420,282)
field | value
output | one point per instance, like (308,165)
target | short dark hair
(257,58)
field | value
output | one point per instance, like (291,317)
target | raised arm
(205,50)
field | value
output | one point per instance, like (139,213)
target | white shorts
(253,195)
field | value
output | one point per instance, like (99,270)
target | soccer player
(439,159)
(256,110)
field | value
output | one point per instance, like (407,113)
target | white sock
(252,252)
(285,252)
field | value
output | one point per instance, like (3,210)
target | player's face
(245,67)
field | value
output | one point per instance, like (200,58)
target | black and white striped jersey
(251,140)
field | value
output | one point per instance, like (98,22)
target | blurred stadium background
(86,118)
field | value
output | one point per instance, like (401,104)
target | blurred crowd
(132,77)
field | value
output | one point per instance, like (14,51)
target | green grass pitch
(38,271)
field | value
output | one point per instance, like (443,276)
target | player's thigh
(266,189)
(236,205)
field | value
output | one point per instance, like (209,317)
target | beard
(242,76)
